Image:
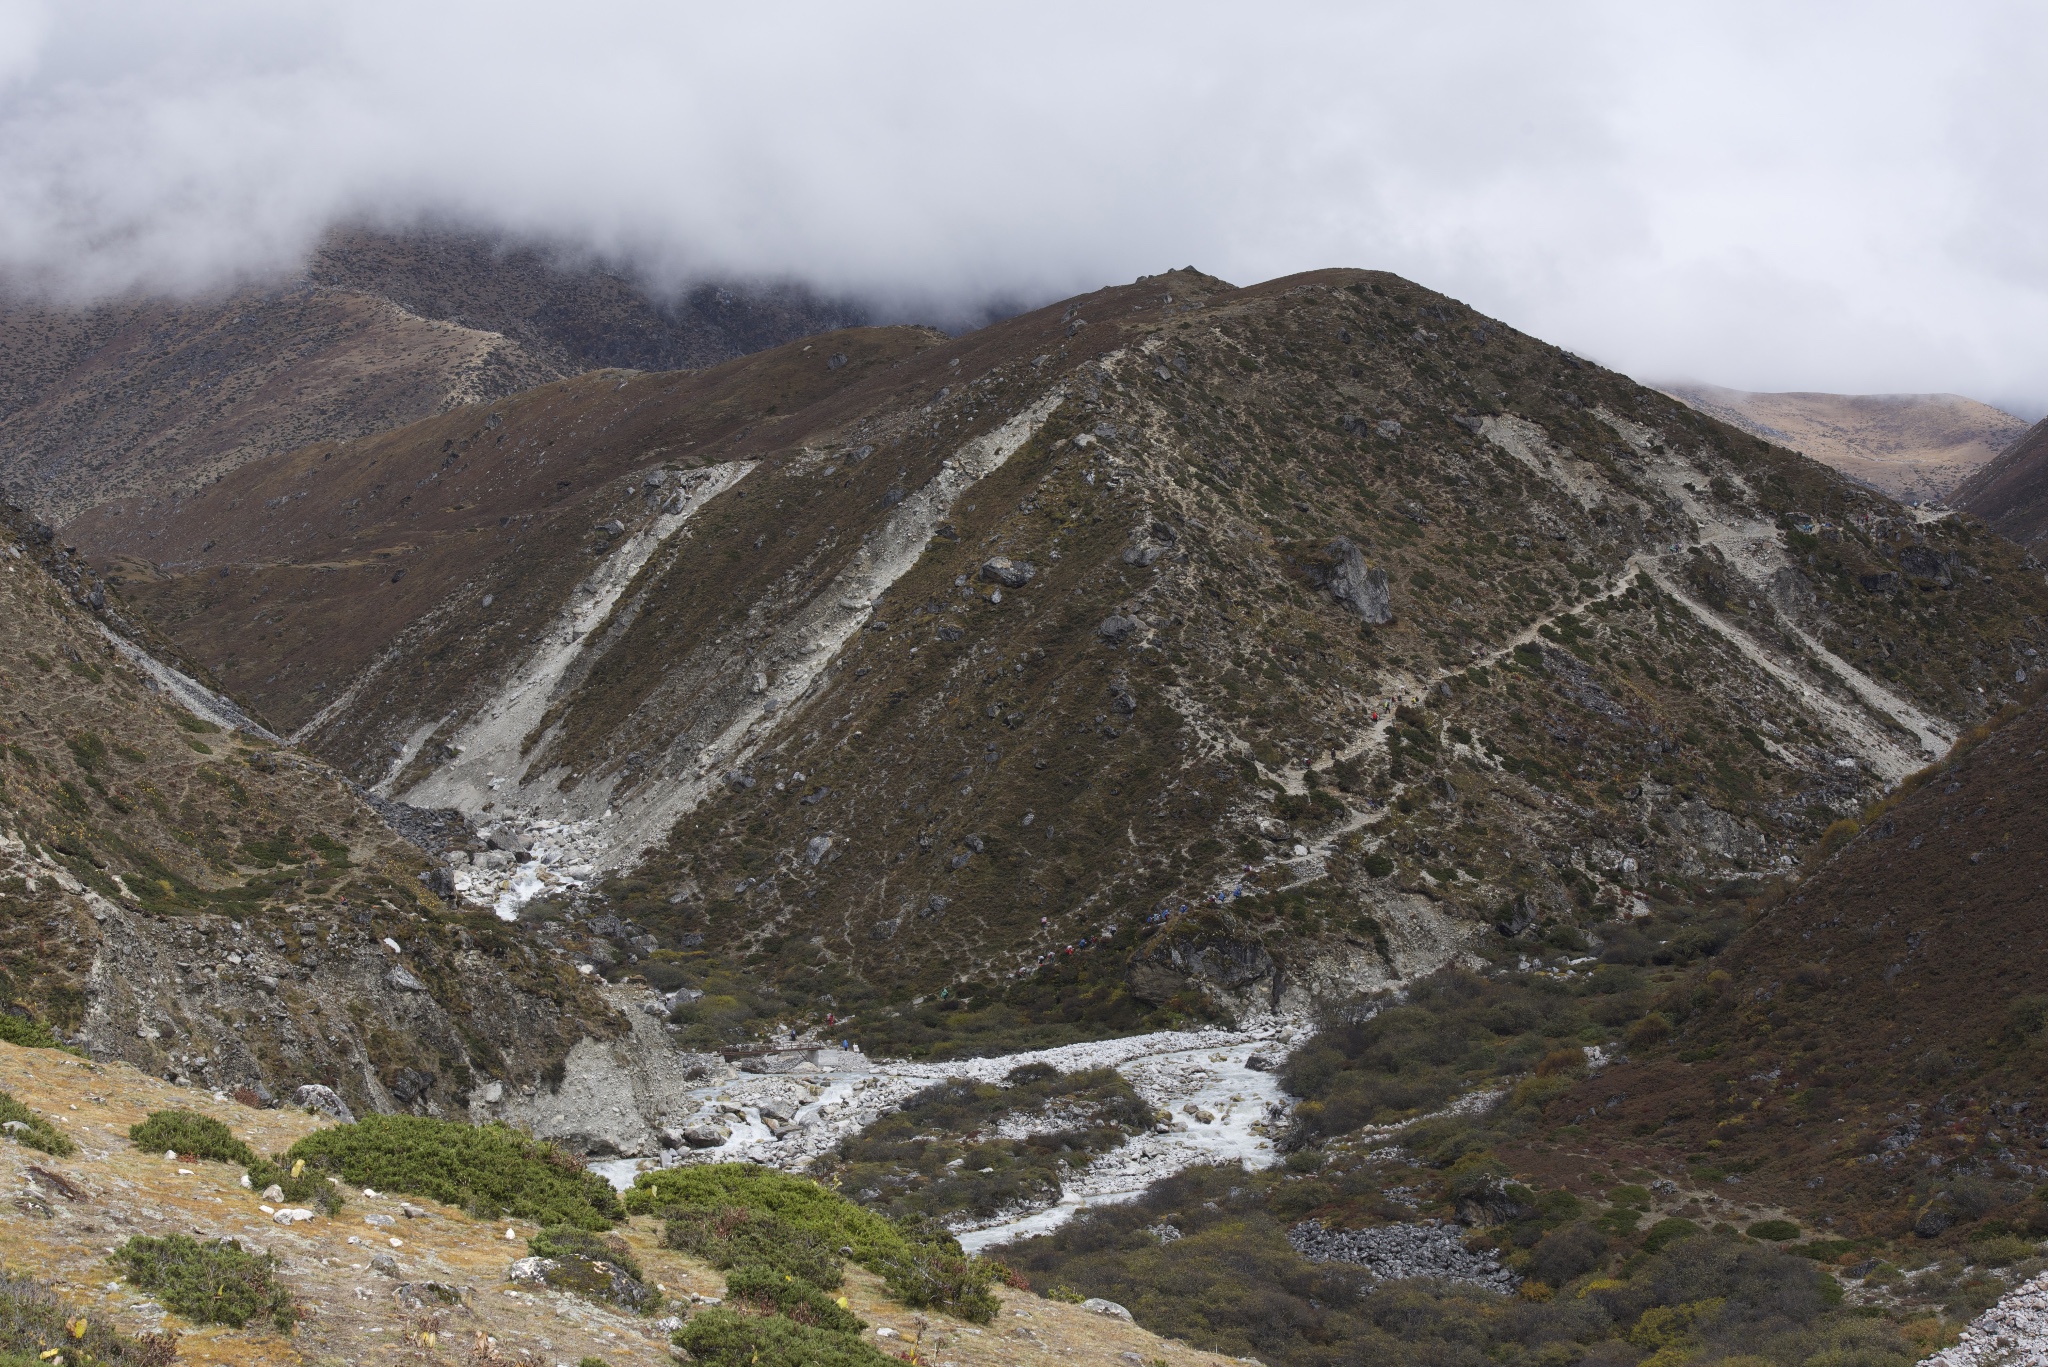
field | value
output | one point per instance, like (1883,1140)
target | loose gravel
(1393,1252)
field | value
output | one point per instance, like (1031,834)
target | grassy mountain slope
(1915,447)
(208,905)
(1622,655)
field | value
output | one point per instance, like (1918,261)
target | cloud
(1763,196)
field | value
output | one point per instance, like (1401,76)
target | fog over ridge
(1828,198)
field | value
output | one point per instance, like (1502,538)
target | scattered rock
(316,1096)
(1011,574)
(403,980)
(532,1271)
(1117,628)
(705,1136)
(1110,1308)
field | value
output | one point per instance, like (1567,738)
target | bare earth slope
(1915,447)
(885,660)
(2011,493)
(149,396)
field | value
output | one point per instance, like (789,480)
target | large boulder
(1353,584)
(1220,961)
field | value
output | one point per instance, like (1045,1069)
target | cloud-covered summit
(1773,199)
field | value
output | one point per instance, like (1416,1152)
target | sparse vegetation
(32,1131)
(597,1266)
(36,1329)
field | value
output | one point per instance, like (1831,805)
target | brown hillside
(347,547)
(2011,493)
(1915,447)
(140,398)
(1640,654)
(1876,1038)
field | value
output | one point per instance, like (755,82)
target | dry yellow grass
(358,1315)
(1911,446)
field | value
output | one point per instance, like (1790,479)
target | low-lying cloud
(1768,197)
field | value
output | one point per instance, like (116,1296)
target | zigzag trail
(1870,730)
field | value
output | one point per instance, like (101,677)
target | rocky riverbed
(804,1101)
(2012,1333)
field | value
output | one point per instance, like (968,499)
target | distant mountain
(2011,493)
(160,395)
(1915,447)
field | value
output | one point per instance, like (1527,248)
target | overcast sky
(1767,196)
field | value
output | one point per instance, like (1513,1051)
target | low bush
(734,1236)
(189,1134)
(36,1328)
(215,1282)
(777,1293)
(1777,1231)
(1228,1282)
(33,1131)
(1452,1031)
(724,1338)
(830,1219)
(492,1170)
(570,1241)
(29,1034)
(717,1211)
(933,1276)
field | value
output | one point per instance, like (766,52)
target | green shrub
(187,1132)
(922,1267)
(778,1293)
(734,1236)
(2003,1250)
(722,1338)
(490,1170)
(1627,1194)
(1666,1232)
(208,1283)
(33,1322)
(932,1276)
(1777,1231)
(939,1153)
(307,1188)
(29,1034)
(831,1219)
(33,1131)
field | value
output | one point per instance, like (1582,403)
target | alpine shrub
(214,1282)
(186,1132)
